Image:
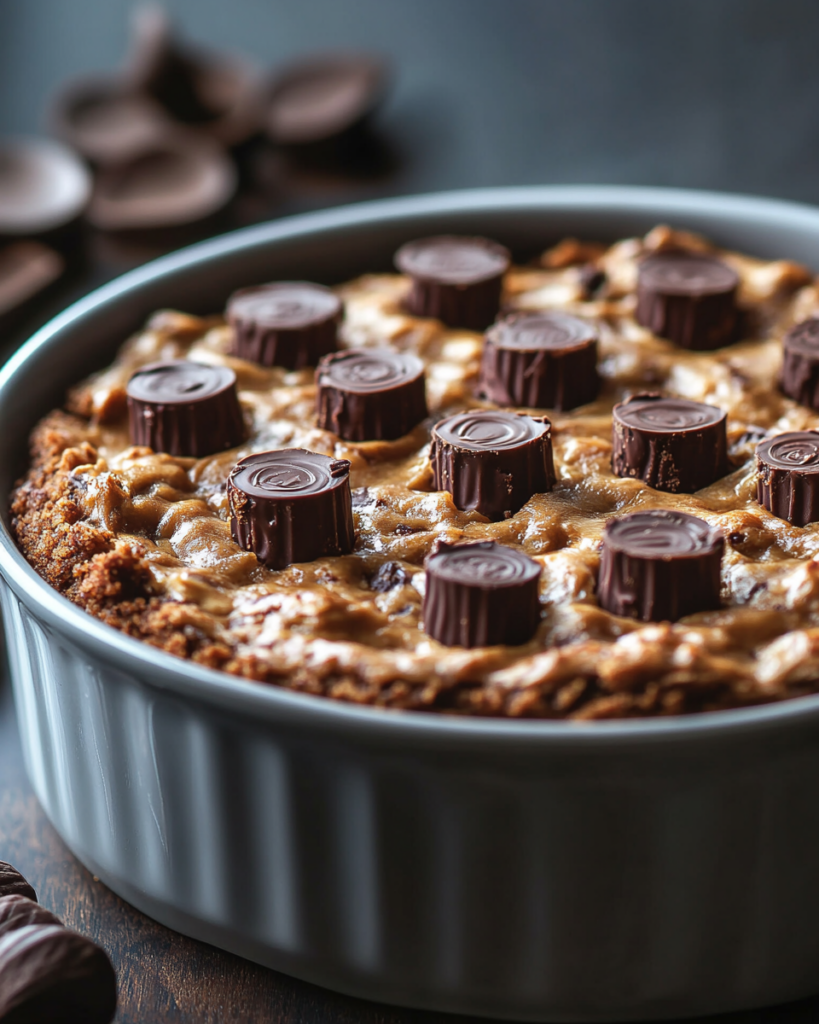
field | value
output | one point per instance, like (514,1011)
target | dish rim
(270,702)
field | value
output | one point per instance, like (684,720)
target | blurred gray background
(703,93)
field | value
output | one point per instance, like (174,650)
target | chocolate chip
(799,378)
(456,280)
(291,506)
(12,883)
(540,360)
(688,298)
(788,480)
(49,974)
(673,444)
(361,497)
(370,394)
(592,279)
(659,566)
(389,575)
(19,912)
(287,323)
(492,461)
(480,595)
(185,408)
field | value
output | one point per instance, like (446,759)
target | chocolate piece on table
(185,408)
(26,268)
(492,461)
(291,506)
(673,444)
(659,566)
(289,323)
(217,94)
(321,97)
(592,278)
(482,594)
(107,121)
(788,480)
(20,911)
(43,185)
(540,360)
(50,974)
(12,883)
(183,177)
(688,298)
(370,394)
(799,378)
(457,280)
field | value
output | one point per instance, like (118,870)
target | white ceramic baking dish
(532,870)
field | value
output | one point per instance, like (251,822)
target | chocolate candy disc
(543,360)
(12,883)
(372,394)
(492,461)
(479,595)
(185,408)
(52,974)
(290,324)
(291,506)
(672,444)
(658,566)
(18,912)
(457,280)
(689,299)
(800,363)
(788,481)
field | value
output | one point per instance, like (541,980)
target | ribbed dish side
(526,888)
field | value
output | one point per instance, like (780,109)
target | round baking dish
(529,870)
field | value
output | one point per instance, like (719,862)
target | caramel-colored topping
(350,626)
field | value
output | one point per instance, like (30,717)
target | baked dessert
(625,407)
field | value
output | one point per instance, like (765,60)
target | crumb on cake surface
(142,540)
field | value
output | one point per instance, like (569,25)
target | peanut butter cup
(492,461)
(372,394)
(185,408)
(541,360)
(799,378)
(291,506)
(659,566)
(456,280)
(289,323)
(479,595)
(788,481)
(688,298)
(673,444)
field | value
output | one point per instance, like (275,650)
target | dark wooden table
(488,92)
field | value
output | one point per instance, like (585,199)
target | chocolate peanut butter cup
(788,480)
(492,461)
(456,280)
(480,595)
(289,323)
(673,444)
(542,360)
(689,299)
(185,408)
(291,506)
(659,566)
(372,394)
(799,378)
